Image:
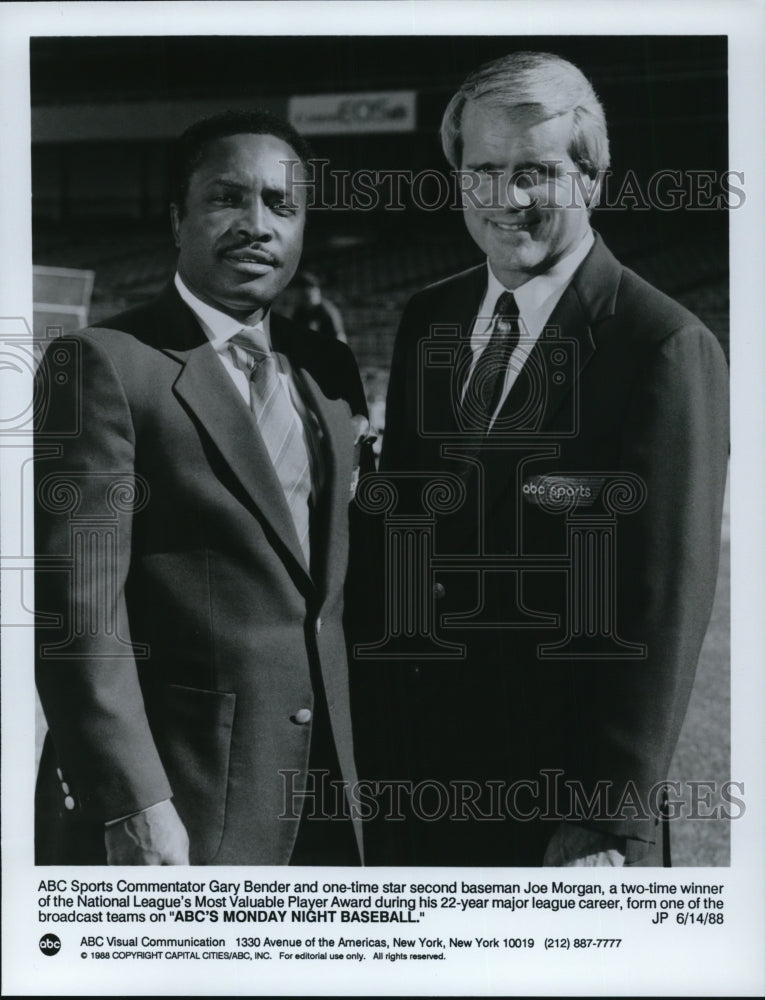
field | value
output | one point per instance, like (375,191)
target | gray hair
(540,83)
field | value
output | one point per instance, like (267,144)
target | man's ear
(175,223)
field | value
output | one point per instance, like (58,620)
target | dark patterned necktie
(485,385)
(279,426)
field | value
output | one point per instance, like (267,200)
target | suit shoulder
(655,313)
(95,339)
(644,319)
(443,302)
(132,322)
(127,342)
(135,321)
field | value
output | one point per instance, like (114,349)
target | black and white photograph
(378,399)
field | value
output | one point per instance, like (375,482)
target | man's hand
(573,846)
(155,836)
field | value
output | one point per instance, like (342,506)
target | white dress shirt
(536,299)
(219,328)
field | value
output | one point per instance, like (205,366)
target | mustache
(254,251)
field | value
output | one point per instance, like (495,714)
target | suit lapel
(205,388)
(334,416)
(207,391)
(328,550)
(449,328)
(543,385)
(589,298)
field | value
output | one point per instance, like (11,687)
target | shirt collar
(218,326)
(543,290)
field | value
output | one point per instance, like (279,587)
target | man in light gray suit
(191,656)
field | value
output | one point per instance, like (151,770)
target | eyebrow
(224,182)
(234,185)
(530,164)
(482,166)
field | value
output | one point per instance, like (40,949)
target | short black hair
(189,148)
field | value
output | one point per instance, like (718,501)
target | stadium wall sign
(336,114)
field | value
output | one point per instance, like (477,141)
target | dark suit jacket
(580,655)
(190,633)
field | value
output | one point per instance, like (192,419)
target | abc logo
(50,944)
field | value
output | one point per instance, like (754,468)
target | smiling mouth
(513,227)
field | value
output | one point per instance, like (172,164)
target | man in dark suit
(556,441)
(194,466)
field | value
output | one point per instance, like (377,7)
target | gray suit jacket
(180,632)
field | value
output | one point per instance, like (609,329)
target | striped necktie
(487,381)
(279,426)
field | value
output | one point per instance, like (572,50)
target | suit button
(64,788)
(318,625)
(438,591)
(302,716)
(69,802)
(59,774)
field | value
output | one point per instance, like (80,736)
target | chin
(517,264)
(252,297)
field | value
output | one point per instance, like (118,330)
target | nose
(522,196)
(254,222)
(517,195)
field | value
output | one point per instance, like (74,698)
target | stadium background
(103,111)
